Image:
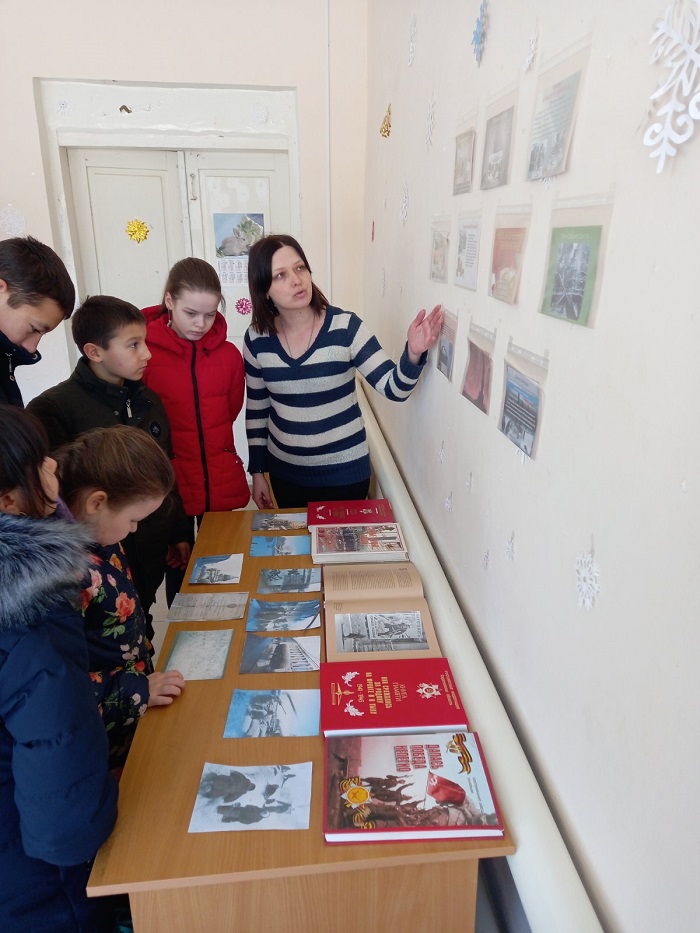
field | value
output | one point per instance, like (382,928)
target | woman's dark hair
(194,275)
(260,279)
(34,272)
(123,461)
(23,449)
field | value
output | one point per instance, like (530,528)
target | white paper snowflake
(259,114)
(441,455)
(547,182)
(587,585)
(62,106)
(469,481)
(403,213)
(532,53)
(486,560)
(449,503)
(430,126)
(412,29)
(677,99)
(510,547)
(12,221)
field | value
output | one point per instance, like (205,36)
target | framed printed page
(498,137)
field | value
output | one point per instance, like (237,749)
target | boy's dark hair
(23,450)
(99,318)
(123,461)
(194,275)
(34,272)
(260,278)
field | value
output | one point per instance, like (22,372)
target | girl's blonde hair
(124,462)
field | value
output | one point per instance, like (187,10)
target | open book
(377,610)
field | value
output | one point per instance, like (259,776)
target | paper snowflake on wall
(469,482)
(486,561)
(510,547)
(677,99)
(412,29)
(430,126)
(403,213)
(587,585)
(479,33)
(532,53)
(449,503)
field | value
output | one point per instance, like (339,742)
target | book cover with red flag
(349,512)
(408,787)
(390,696)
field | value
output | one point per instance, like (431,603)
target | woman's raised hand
(423,332)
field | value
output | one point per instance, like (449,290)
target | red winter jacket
(201,385)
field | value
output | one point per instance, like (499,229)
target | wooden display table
(260,881)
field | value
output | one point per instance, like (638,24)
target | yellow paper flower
(385,128)
(137,231)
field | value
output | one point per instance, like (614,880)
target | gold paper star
(137,231)
(385,128)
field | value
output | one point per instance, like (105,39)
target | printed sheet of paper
(477,378)
(552,126)
(264,615)
(255,714)
(279,545)
(280,655)
(200,655)
(207,607)
(237,797)
(521,406)
(464,162)
(379,631)
(290,580)
(440,250)
(507,261)
(497,145)
(571,273)
(468,237)
(446,344)
(219,568)
(284,521)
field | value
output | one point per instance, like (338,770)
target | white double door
(138,211)
(186,202)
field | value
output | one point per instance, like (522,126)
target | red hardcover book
(365,697)
(349,512)
(384,788)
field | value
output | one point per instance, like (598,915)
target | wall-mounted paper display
(439,250)
(234,234)
(477,377)
(574,265)
(553,120)
(446,344)
(509,237)
(464,161)
(521,410)
(498,139)
(468,237)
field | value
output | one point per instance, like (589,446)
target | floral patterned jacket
(118,648)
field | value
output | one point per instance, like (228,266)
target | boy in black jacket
(106,389)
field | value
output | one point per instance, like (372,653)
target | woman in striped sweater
(303,421)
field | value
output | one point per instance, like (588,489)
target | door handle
(193,193)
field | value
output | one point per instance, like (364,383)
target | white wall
(304,47)
(605,700)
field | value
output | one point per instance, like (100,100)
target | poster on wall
(464,161)
(234,234)
(446,344)
(509,237)
(439,250)
(553,120)
(468,237)
(495,164)
(477,377)
(520,411)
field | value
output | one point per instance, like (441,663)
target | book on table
(378,696)
(382,788)
(349,512)
(377,610)
(341,544)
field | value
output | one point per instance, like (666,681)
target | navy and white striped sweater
(303,421)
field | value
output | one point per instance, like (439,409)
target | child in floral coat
(111,479)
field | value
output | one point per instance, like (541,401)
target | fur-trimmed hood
(40,559)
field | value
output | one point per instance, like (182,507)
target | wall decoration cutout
(486,561)
(12,221)
(441,455)
(677,99)
(137,230)
(464,161)
(430,123)
(412,30)
(510,547)
(587,581)
(469,482)
(449,503)
(468,238)
(259,114)
(385,128)
(479,33)
(244,306)
(532,52)
(403,213)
